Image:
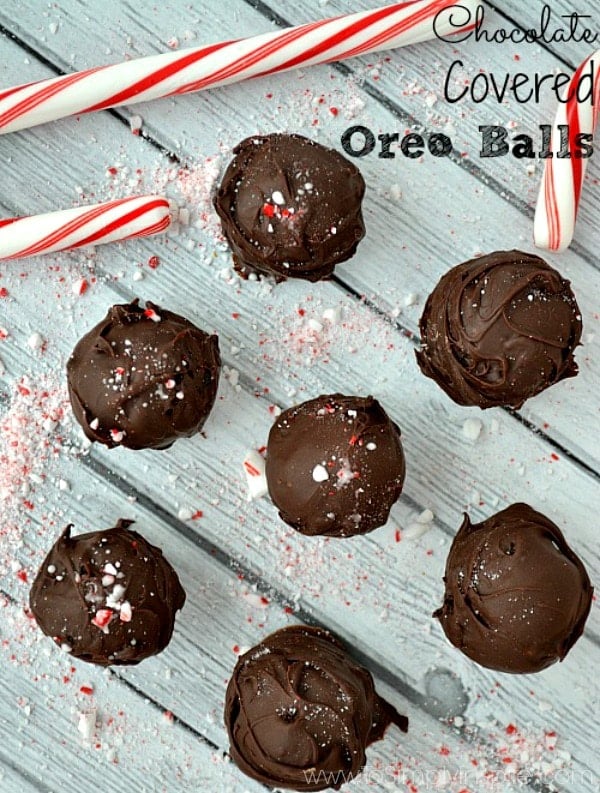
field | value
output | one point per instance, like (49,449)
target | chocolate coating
(499,329)
(142,378)
(290,207)
(298,709)
(107,597)
(335,465)
(517,597)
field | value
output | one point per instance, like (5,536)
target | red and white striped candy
(218,64)
(254,468)
(560,191)
(121,219)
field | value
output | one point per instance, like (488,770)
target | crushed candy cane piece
(254,468)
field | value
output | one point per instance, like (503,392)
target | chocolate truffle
(107,597)
(290,207)
(335,465)
(517,597)
(300,712)
(142,378)
(499,329)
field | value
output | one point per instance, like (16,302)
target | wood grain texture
(377,594)
(409,76)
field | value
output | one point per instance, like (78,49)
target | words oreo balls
(107,597)
(335,465)
(290,207)
(517,597)
(300,712)
(143,377)
(499,329)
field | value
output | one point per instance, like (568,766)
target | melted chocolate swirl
(517,597)
(300,713)
(499,329)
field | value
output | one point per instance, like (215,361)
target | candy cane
(218,64)
(560,191)
(138,216)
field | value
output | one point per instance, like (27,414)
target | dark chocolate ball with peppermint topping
(300,712)
(335,465)
(143,377)
(499,329)
(107,597)
(517,596)
(290,207)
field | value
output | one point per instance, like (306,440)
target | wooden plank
(16,780)
(196,470)
(453,237)
(134,744)
(188,679)
(239,528)
(570,53)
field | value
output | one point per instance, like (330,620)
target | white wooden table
(246,574)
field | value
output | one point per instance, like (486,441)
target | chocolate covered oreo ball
(300,712)
(107,597)
(143,377)
(335,465)
(290,207)
(499,329)
(517,597)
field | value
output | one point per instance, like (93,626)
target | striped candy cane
(560,191)
(138,216)
(218,64)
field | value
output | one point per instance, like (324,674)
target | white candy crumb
(420,526)
(135,123)
(472,429)
(411,299)
(35,341)
(232,376)
(319,473)
(396,192)
(331,315)
(184,513)
(86,724)
(255,600)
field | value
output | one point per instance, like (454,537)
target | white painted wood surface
(376,593)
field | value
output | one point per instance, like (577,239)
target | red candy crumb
(102,618)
